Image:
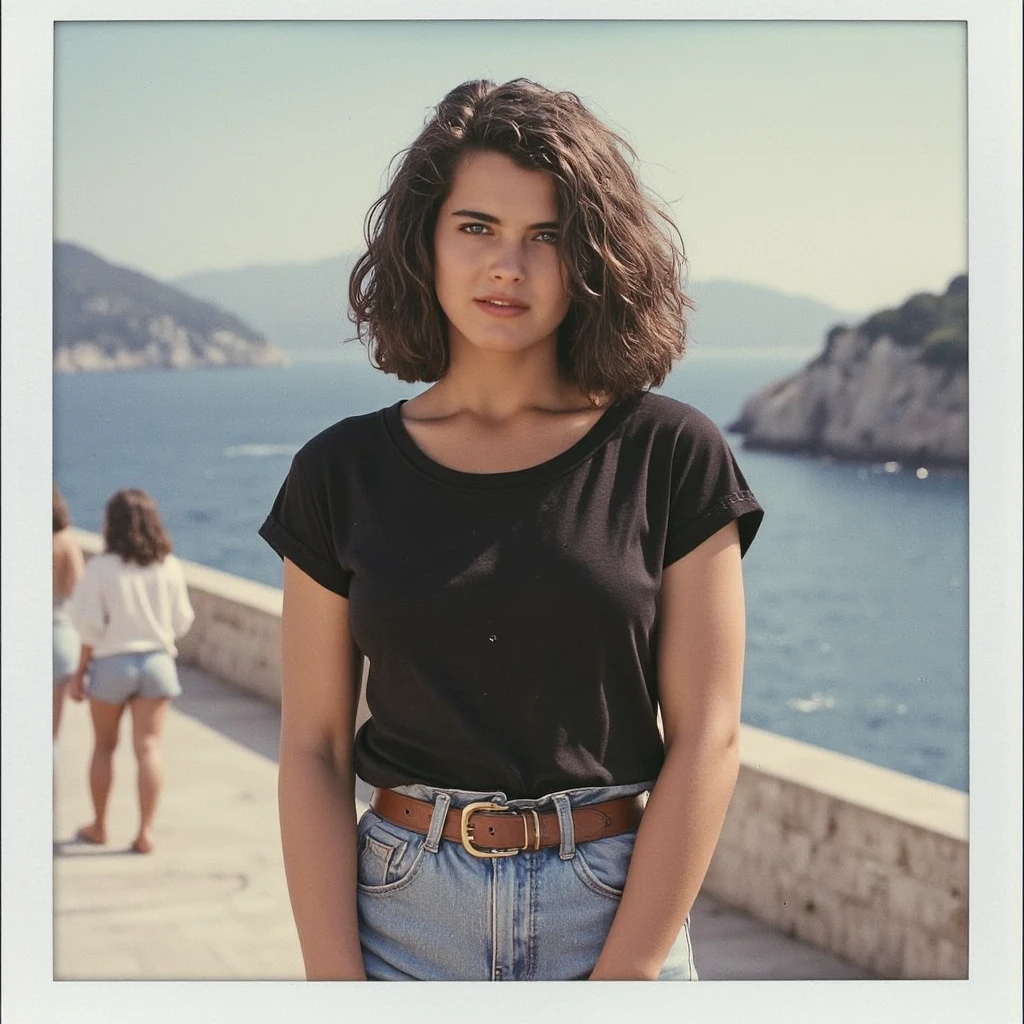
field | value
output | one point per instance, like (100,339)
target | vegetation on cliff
(934,325)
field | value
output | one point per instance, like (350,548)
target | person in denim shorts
(129,607)
(537,557)
(67,568)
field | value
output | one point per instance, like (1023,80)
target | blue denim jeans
(430,911)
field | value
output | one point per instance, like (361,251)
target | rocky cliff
(110,318)
(892,388)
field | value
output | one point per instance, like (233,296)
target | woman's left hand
(700,677)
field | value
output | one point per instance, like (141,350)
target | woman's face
(497,271)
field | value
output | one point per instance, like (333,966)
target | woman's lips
(501,307)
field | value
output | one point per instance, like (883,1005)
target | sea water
(856,585)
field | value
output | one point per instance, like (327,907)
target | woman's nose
(508,263)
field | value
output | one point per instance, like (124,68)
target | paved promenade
(210,902)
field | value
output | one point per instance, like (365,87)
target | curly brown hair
(623,255)
(61,516)
(132,528)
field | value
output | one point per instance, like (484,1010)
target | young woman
(129,606)
(536,555)
(68,563)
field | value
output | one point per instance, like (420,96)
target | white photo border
(992,992)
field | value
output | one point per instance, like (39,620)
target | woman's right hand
(76,689)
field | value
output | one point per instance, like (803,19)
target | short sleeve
(709,491)
(85,608)
(299,524)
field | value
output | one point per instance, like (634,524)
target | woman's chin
(505,344)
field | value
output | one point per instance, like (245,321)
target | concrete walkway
(210,902)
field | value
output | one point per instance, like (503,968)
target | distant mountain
(300,305)
(110,318)
(892,388)
(305,306)
(732,314)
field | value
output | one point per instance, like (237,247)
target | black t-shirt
(510,619)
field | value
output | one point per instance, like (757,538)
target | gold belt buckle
(466,827)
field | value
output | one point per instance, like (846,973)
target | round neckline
(558,464)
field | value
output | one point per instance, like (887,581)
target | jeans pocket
(388,856)
(602,865)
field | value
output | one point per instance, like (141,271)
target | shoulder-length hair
(132,528)
(623,255)
(61,516)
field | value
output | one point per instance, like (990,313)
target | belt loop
(441,804)
(567,848)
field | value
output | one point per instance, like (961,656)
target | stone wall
(865,862)
(862,861)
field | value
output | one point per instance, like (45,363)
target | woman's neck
(498,386)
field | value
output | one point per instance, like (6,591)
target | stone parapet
(865,862)
(858,860)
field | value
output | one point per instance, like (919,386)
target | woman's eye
(549,237)
(474,229)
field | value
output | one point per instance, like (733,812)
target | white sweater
(119,607)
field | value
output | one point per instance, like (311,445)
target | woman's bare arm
(68,563)
(316,781)
(700,666)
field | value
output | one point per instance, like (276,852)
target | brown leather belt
(491,830)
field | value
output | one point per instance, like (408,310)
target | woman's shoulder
(662,414)
(166,568)
(171,563)
(347,438)
(64,541)
(102,565)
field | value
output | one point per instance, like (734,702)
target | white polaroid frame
(992,992)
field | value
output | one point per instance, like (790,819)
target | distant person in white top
(129,607)
(67,568)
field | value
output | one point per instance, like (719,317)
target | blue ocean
(856,585)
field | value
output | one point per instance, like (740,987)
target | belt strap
(511,830)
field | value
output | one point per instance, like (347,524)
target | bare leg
(59,693)
(148,714)
(106,720)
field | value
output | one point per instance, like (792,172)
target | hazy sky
(824,159)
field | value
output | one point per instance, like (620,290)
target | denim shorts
(119,677)
(430,911)
(66,648)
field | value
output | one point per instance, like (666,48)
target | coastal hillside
(305,305)
(110,318)
(892,388)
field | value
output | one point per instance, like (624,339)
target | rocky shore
(110,318)
(166,345)
(893,388)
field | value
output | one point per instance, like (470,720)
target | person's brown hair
(624,257)
(61,516)
(132,528)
